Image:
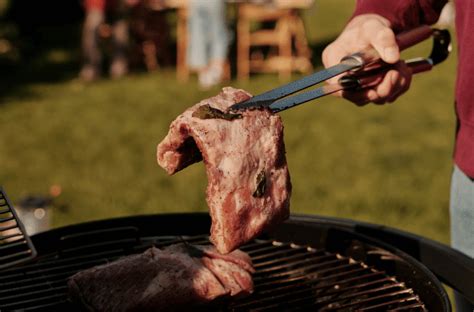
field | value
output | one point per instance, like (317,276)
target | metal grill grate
(288,277)
(15,245)
(300,278)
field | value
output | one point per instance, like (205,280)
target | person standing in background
(208,40)
(374,24)
(97,11)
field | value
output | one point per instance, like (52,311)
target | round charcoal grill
(307,264)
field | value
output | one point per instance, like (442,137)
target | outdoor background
(383,164)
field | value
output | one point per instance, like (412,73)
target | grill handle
(452,267)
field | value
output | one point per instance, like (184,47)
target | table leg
(243,48)
(182,69)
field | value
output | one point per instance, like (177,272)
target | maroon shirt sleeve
(403,14)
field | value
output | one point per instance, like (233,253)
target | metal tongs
(278,99)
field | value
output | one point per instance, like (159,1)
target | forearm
(402,14)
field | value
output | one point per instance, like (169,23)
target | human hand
(366,31)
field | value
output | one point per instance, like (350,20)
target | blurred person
(97,11)
(208,40)
(374,24)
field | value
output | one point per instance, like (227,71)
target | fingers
(359,98)
(371,31)
(403,84)
(382,38)
(394,83)
(364,31)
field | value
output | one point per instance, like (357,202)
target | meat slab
(249,186)
(172,279)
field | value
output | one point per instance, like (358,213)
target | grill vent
(15,245)
(288,277)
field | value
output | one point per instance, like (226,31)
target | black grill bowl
(307,263)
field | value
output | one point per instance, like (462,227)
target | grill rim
(427,284)
(453,268)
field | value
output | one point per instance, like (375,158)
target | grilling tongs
(361,68)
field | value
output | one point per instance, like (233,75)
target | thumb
(384,41)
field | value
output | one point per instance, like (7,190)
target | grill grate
(295,278)
(15,245)
(288,277)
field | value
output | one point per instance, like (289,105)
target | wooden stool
(288,37)
(181,7)
(182,69)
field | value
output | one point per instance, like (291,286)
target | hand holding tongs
(278,100)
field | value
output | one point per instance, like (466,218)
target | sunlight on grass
(385,164)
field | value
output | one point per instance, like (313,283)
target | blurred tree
(39,41)
(8,31)
(3,7)
(41,23)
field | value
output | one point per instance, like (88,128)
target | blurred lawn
(386,164)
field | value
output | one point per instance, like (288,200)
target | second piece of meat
(249,185)
(173,279)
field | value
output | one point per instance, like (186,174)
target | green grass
(386,164)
